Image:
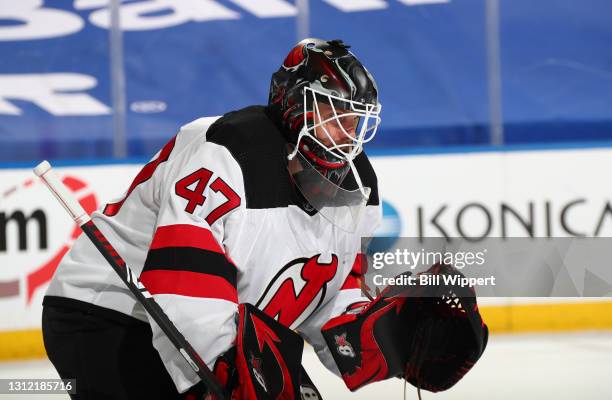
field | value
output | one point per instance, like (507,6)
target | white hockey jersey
(212,221)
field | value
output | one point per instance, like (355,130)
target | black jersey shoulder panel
(260,149)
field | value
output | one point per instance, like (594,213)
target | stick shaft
(66,198)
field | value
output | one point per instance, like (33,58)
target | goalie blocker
(429,335)
(265,363)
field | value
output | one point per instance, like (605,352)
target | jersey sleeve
(187,269)
(349,297)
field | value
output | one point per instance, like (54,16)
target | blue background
(429,61)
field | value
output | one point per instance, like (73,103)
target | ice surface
(535,366)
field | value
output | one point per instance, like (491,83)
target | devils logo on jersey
(297,290)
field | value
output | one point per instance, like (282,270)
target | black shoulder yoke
(260,148)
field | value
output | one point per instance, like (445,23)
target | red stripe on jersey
(184,235)
(187,283)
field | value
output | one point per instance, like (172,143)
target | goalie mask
(328,103)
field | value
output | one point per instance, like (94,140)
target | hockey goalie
(246,229)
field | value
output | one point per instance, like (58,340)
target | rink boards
(544,193)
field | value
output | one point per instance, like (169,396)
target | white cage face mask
(339,126)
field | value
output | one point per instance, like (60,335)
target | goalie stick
(80,216)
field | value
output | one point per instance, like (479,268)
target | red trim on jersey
(187,283)
(111,209)
(351,282)
(183,235)
(360,267)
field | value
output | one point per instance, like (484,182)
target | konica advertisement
(473,196)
